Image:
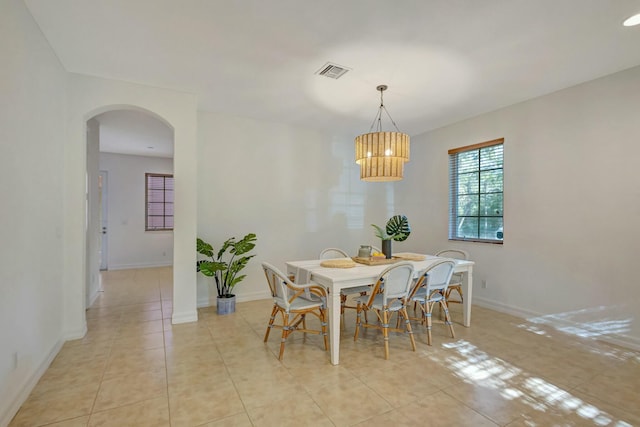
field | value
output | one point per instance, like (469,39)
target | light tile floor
(133,368)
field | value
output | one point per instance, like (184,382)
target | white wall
(33,89)
(299,190)
(130,246)
(572,206)
(93,214)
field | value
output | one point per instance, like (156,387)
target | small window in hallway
(158,202)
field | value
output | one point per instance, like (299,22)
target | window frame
(454,196)
(164,215)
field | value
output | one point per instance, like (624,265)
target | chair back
(333,253)
(279,285)
(436,277)
(453,253)
(395,282)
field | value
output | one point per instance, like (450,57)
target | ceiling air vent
(333,71)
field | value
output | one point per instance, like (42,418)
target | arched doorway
(88,97)
(123,146)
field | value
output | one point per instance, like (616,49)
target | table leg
(467,289)
(333,308)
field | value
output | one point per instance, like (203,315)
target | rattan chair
(289,301)
(456,278)
(333,253)
(431,289)
(390,295)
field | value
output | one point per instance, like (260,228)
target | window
(158,202)
(476,192)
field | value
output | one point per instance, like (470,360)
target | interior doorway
(122,146)
(104,220)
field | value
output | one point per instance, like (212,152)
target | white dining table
(336,279)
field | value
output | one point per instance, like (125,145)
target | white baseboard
(76,334)
(252,296)
(184,317)
(204,302)
(93,297)
(139,265)
(504,308)
(621,340)
(8,409)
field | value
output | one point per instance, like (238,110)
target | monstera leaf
(204,248)
(398,228)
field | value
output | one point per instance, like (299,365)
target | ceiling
(134,133)
(443,60)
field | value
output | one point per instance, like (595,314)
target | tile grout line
(235,387)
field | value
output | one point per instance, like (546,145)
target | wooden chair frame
(366,304)
(294,309)
(432,296)
(329,252)
(456,278)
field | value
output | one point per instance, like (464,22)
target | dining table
(336,279)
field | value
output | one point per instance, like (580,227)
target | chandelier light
(382,155)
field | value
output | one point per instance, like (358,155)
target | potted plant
(225,270)
(397,229)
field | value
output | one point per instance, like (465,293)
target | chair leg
(423,313)
(285,333)
(458,289)
(427,314)
(323,324)
(385,332)
(398,318)
(304,328)
(270,325)
(366,316)
(408,325)
(358,311)
(447,317)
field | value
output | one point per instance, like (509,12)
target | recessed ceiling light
(634,20)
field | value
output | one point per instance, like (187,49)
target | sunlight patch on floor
(477,367)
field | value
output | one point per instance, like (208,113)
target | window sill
(494,242)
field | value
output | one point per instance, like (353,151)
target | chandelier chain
(378,117)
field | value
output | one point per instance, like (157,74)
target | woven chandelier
(382,155)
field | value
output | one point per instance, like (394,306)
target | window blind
(159,193)
(476,193)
